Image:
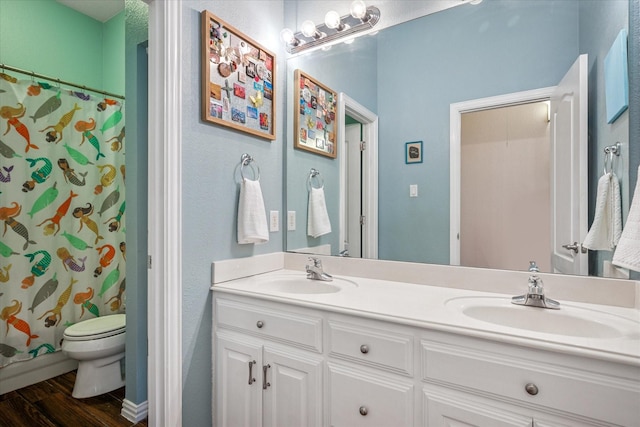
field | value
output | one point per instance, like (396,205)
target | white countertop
(426,307)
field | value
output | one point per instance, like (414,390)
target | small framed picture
(413,152)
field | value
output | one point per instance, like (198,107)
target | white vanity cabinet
(331,368)
(266,368)
(370,373)
(547,388)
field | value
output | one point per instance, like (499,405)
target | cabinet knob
(363,411)
(260,324)
(531,388)
(364,349)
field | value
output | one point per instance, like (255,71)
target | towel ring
(247,160)
(609,152)
(315,173)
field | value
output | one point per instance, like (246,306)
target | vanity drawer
(370,345)
(368,398)
(611,399)
(291,328)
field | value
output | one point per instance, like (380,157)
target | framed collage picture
(314,125)
(238,79)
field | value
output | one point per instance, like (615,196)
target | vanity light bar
(351,26)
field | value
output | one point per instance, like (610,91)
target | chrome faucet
(535,296)
(345,251)
(315,272)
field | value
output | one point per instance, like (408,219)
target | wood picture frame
(238,79)
(315,127)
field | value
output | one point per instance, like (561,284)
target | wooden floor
(49,403)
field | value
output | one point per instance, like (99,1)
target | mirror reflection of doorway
(358,179)
(353,136)
(505,190)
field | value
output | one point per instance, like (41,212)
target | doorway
(505,191)
(368,161)
(456,114)
(354,223)
(568,115)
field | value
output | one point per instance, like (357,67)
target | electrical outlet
(413,190)
(274,221)
(291,220)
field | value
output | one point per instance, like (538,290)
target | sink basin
(569,320)
(302,285)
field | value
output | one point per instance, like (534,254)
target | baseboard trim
(135,413)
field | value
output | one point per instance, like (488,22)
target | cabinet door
(293,396)
(368,398)
(238,395)
(451,409)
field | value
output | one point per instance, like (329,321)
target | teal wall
(459,54)
(136,34)
(600,23)
(51,39)
(113,68)
(210,189)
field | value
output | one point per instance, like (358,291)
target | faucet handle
(316,261)
(533,267)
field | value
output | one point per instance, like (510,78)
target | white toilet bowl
(98,345)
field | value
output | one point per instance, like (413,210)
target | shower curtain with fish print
(62,207)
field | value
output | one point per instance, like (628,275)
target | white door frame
(369,120)
(455,119)
(164,282)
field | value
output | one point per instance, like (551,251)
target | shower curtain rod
(41,76)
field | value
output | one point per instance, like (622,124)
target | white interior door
(369,173)
(354,190)
(569,121)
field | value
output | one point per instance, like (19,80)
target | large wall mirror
(412,78)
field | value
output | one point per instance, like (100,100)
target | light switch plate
(413,190)
(291,220)
(274,221)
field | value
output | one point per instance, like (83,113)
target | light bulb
(332,20)
(359,10)
(287,36)
(308,28)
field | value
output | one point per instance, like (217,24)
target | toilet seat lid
(104,326)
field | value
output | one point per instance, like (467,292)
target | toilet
(98,346)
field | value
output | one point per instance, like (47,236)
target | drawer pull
(363,411)
(265,384)
(251,379)
(531,388)
(260,324)
(364,349)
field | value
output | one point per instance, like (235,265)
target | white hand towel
(252,217)
(318,223)
(606,229)
(627,254)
